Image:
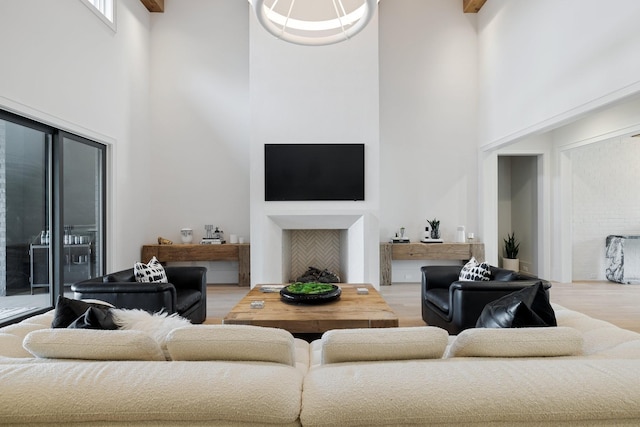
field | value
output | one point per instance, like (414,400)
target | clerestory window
(105,9)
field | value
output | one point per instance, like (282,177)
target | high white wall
(545,62)
(63,66)
(428,87)
(200,123)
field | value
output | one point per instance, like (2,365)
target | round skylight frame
(345,25)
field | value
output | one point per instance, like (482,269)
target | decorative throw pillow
(68,311)
(526,308)
(475,271)
(153,271)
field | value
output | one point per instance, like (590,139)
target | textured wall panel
(315,248)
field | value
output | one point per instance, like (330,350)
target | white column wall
(302,94)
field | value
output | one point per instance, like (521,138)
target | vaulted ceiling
(468,6)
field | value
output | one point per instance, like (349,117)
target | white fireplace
(359,244)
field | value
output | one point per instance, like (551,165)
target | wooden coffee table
(351,310)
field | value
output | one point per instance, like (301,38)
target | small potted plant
(435,228)
(510,260)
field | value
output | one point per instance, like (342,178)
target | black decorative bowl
(310,293)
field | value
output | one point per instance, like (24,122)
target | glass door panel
(83,209)
(24,219)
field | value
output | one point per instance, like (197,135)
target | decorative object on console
(435,228)
(510,260)
(460,238)
(310,293)
(400,237)
(336,21)
(186,234)
(213,237)
(163,241)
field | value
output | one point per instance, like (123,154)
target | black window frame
(55,166)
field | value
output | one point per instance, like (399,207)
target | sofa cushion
(528,307)
(519,342)
(152,272)
(475,271)
(69,310)
(356,345)
(231,342)
(92,345)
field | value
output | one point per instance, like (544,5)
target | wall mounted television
(305,172)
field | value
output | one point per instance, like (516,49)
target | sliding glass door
(52,214)
(25,210)
(83,209)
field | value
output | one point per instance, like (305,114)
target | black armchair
(185,294)
(456,305)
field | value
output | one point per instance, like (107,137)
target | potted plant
(435,228)
(510,260)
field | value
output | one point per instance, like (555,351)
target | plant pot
(511,264)
(435,233)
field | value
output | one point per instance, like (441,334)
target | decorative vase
(511,264)
(186,234)
(435,232)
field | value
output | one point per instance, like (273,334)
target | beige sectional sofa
(585,372)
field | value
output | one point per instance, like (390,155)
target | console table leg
(244,265)
(386,254)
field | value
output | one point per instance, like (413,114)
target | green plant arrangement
(435,228)
(511,246)
(309,288)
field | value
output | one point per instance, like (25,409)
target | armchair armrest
(439,276)
(187,277)
(130,287)
(496,286)
(152,297)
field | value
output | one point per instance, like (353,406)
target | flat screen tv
(297,172)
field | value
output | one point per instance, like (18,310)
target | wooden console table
(240,252)
(425,251)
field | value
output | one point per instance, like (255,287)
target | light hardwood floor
(618,304)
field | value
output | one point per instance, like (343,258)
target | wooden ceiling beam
(472,6)
(155,5)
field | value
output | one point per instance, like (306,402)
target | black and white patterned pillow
(151,272)
(475,271)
